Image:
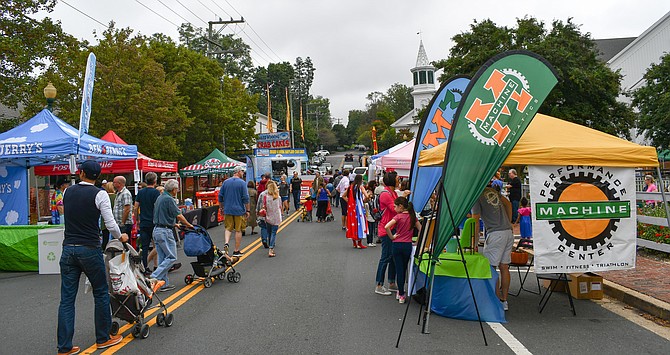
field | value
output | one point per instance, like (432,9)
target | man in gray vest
(83,204)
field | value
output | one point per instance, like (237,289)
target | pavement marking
(633,315)
(513,343)
(248,250)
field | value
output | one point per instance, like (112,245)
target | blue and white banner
(87,95)
(13,195)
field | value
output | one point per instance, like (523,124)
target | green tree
(27,46)
(399,99)
(303,79)
(653,101)
(278,77)
(587,88)
(341,134)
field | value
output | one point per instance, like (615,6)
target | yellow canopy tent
(552,141)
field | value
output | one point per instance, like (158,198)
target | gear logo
(583,210)
(488,121)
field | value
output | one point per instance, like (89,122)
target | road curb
(638,300)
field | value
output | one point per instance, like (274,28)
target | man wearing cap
(83,204)
(234,200)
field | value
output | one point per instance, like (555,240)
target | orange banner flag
(269,109)
(288,113)
(302,127)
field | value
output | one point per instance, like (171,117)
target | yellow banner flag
(267,86)
(288,113)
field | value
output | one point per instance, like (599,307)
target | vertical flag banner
(288,114)
(375,149)
(434,130)
(13,195)
(302,125)
(584,218)
(267,86)
(87,96)
(499,104)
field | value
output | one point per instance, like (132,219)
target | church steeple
(424,79)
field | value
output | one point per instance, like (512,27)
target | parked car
(322,152)
(316,160)
(329,167)
(348,167)
(361,147)
(348,157)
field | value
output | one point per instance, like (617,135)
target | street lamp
(50,95)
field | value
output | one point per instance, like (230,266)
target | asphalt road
(315,297)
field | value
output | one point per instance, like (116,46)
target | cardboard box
(586,286)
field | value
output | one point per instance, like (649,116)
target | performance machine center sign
(583,218)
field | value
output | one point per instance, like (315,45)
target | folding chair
(522,280)
(468,234)
(554,280)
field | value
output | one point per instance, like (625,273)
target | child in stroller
(211,262)
(131,293)
(306,210)
(329,213)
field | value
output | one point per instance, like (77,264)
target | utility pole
(210,39)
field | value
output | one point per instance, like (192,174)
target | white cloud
(17,184)
(2,204)
(12,217)
(39,127)
(13,140)
(3,171)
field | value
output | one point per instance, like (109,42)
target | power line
(83,13)
(205,6)
(161,16)
(174,12)
(189,10)
(256,33)
(224,11)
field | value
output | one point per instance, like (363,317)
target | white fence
(657,221)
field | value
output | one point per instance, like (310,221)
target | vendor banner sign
(13,195)
(584,218)
(274,140)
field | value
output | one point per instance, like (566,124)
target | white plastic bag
(121,275)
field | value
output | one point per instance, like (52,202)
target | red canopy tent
(143,163)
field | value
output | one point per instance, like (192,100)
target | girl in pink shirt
(404,223)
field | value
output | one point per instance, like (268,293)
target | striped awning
(196,167)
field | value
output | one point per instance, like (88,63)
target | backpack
(375,210)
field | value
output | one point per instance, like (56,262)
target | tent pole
(136,183)
(665,201)
(37,196)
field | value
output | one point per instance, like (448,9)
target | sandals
(272,254)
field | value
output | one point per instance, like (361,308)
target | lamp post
(50,95)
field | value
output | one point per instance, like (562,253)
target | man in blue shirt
(234,201)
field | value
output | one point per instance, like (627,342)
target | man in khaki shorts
(234,201)
(495,210)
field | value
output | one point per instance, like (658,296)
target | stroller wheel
(231,276)
(137,328)
(144,332)
(236,277)
(188,279)
(160,319)
(221,276)
(208,282)
(114,329)
(169,320)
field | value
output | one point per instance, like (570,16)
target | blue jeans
(264,230)
(402,252)
(296,199)
(272,234)
(145,239)
(74,261)
(166,247)
(386,260)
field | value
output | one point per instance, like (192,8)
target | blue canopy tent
(46,139)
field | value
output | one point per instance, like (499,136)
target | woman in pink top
(404,222)
(650,186)
(386,198)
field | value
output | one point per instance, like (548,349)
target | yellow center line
(248,250)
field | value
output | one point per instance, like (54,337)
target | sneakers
(265,244)
(393,287)
(74,350)
(401,299)
(237,253)
(166,288)
(381,290)
(505,306)
(174,267)
(397,295)
(113,340)
(372,245)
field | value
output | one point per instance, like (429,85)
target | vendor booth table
(20,247)
(451,293)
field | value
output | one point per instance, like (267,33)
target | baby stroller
(306,210)
(132,294)
(329,213)
(212,263)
